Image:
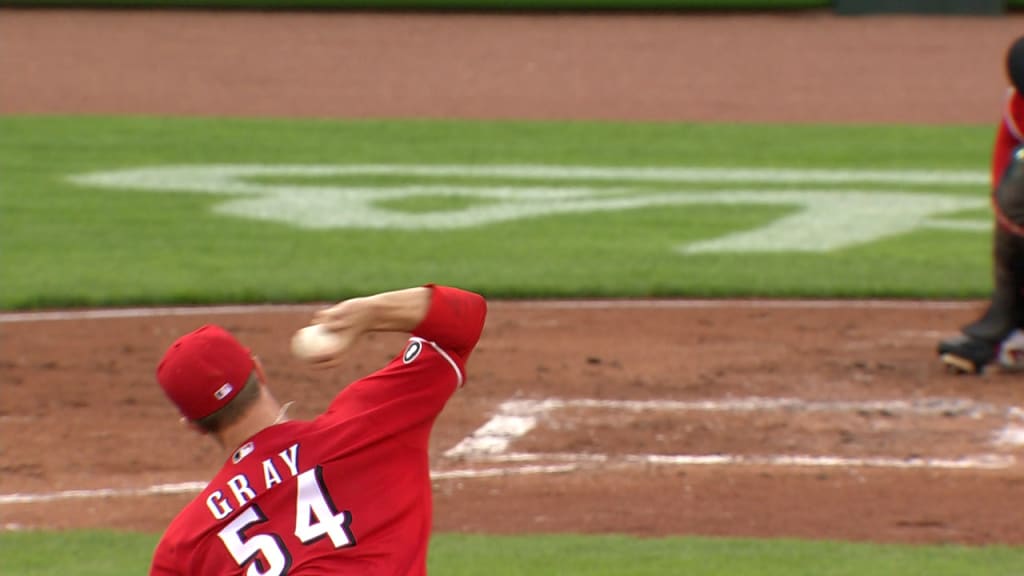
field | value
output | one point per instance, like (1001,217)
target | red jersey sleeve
(1009,135)
(415,385)
(455,320)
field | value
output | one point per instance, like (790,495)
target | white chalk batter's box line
(516,418)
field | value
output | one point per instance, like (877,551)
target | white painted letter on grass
(826,218)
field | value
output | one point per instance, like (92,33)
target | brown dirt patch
(80,409)
(83,413)
(806,67)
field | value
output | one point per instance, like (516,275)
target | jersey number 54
(315,517)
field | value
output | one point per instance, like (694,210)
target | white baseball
(315,342)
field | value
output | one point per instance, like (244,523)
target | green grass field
(322,209)
(123,554)
(265,210)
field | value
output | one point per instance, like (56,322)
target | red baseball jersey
(346,493)
(1009,136)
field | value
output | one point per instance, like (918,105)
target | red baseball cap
(203,370)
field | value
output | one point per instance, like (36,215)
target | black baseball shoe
(967,355)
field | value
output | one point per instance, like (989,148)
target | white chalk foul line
(628,304)
(933,405)
(974,462)
(196,487)
(158,312)
(156,489)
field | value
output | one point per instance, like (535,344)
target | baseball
(315,342)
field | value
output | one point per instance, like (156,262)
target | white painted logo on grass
(829,209)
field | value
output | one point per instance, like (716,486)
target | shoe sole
(959,364)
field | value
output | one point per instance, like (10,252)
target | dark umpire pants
(1006,309)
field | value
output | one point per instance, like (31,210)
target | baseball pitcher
(348,492)
(979,343)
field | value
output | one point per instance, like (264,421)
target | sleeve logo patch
(412,351)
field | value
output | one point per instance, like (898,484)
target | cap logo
(224,391)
